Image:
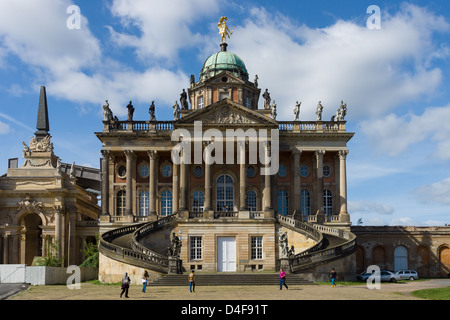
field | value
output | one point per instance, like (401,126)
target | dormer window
(200,102)
(248,102)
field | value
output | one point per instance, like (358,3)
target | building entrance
(226,254)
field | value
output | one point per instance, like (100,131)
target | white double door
(226,254)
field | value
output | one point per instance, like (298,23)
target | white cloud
(365,68)
(70,62)
(36,31)
(4,128)
(370,208)
(165,27)
(394,134)
(437,192)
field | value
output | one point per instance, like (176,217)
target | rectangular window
(200,102)
(256,250)
(196,248)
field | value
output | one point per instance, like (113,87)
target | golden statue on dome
(223,29)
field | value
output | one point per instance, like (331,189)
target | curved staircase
(123,245)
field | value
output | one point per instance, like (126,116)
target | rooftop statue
(319,111)
(151,110)
(266,96)
(223,29)
(297,111)
(176,111)
(184,100)
(107,113)
(130,111)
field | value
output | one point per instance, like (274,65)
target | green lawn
(433,294)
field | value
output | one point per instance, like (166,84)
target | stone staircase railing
(137,254)
(317,254)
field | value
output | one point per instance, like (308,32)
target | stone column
(267,180)
(105,183)
(152,184)
(175,187)
(183,183)
(6,238)
(59,211)
(129,186)
(71,259)
(319,184)
(208,186)
(343,214)
(242,177)
(297,181)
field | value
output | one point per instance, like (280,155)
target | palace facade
(222,187)
(201,177)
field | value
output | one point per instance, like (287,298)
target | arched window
(198,202)
(327,202)
(305,203)
(282,200)
(143,203)
(251,200)
(400,258)
(166,203)
(225,193)
(120,202)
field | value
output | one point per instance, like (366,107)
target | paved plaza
(90,291)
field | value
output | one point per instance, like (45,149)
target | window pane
(251,200)
(282,202)
(196,248)
(305,203)
(198,201)
(166,203)
(225,193)
(256,248)
(327,202)
(143,203)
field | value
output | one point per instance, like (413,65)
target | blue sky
(393,79)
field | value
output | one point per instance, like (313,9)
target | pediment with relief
(226,112)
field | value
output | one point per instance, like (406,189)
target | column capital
(129,154)
(343,154)
(319,153)
(105,153)
(153,154)
(60,209)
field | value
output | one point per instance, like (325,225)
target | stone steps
(229,279)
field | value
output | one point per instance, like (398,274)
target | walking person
(333,277)
(125,285)
(283,279)
(145,277)
(191,279)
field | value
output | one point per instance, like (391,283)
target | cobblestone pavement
(89,291)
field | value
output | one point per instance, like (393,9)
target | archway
(444,261)
(31,238)
(379,257)
(423,261)
(400,258)
(360,259)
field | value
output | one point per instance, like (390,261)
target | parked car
(388,276)
(385,276)
(408,274)
(363,276)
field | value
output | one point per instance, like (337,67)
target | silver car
(408,274)
(388,276)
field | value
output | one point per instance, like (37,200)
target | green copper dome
(223,61)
